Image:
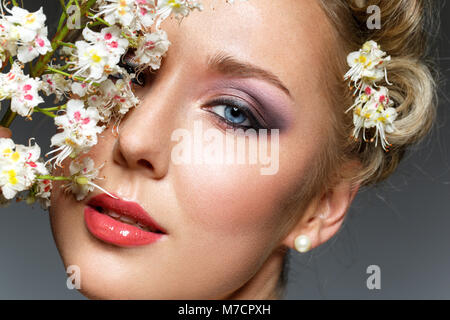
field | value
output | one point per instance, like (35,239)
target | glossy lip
(116,232)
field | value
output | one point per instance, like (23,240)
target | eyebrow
(228,65)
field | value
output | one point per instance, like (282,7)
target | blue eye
(234,113)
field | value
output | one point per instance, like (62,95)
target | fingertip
(5,133)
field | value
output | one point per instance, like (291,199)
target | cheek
(233,201)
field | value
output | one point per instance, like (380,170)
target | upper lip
(125,208)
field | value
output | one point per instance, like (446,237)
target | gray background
(402,225)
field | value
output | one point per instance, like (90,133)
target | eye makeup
(270,107)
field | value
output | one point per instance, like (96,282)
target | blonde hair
(403,35)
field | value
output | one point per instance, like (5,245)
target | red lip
(111,230)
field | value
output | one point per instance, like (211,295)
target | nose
(143,143)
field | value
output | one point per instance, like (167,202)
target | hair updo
(404,35)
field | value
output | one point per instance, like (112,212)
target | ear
(325,213)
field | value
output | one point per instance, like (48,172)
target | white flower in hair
(367,64)
(373,110)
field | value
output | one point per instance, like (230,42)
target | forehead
(285,37)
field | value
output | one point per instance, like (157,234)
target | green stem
(43,111)
(14,2)
(8,118)
(40,66)
(90,14)
(60,178)
(63,5)
(93,24)
(67,44)
(81,79)
(62,107)
(64,67)
(63,15)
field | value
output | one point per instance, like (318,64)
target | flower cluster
(93,82)
(23,33)
(372,108)
(21,90)
(79,129)
(20,166)
(83,172)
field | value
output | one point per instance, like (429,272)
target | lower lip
(115,232)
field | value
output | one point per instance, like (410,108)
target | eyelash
(229,102)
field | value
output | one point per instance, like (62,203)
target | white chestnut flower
(179,8)
(111,38)
(375,110)
(57,84)
(28,32)
(21,89)
(134,15)
(367,64)
(83,173)
(19,166)
(93,61)
(79,127)
(151,49)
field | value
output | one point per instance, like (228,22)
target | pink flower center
(28,97)
(40,42)
(31,164)
(77,116)
(108,36)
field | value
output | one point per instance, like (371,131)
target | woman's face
(222,222)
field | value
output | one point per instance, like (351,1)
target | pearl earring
(302,243)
